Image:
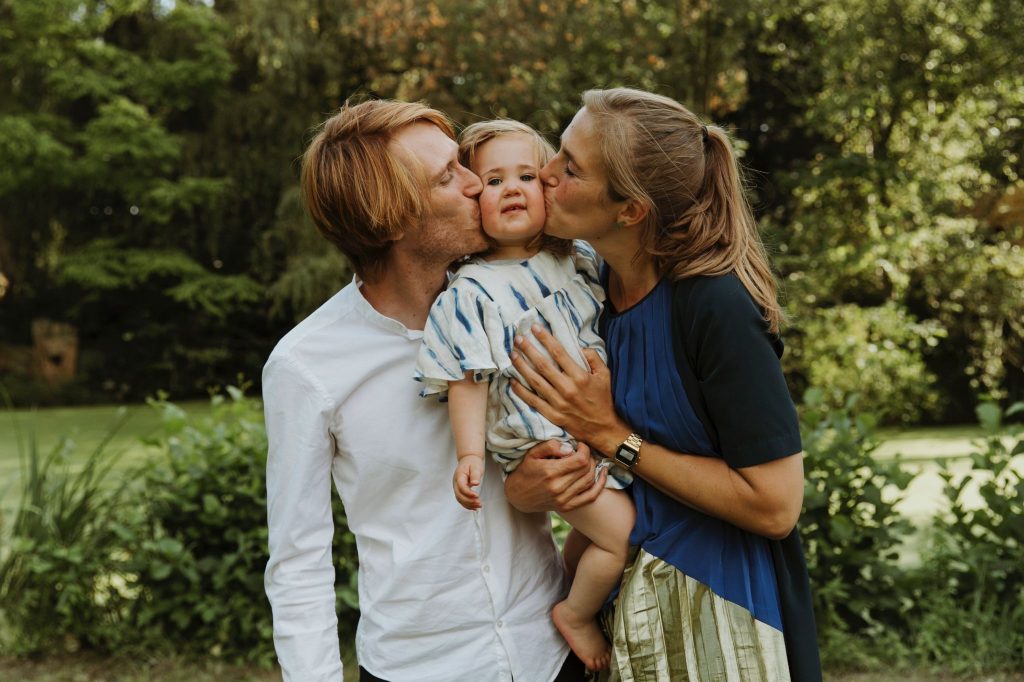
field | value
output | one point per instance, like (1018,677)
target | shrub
(969,592)
(200,560)
(851,533)
(168,560)
(876,353)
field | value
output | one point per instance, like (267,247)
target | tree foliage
(152,152)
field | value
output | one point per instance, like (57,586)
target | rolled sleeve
(299,578)
(736,361)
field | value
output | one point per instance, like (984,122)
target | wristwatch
(628,453)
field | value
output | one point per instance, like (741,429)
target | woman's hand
(554,477)
(577,399)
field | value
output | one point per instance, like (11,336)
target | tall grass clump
(61,580)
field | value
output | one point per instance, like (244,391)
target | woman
(692,398)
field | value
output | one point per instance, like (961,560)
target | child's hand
(467,477)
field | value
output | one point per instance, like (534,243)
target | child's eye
(527,177)
(494,182)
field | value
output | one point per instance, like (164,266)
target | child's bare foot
(583,635)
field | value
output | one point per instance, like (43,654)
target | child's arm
(467,410)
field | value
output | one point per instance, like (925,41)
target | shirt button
(499,623)
(487,568)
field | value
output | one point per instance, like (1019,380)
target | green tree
(104,207)
(907,116)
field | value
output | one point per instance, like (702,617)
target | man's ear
(633,213)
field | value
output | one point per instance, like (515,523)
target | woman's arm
(467,410)
(764,498)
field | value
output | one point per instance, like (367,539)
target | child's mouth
(513,207)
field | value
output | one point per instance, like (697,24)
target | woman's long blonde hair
(699,222)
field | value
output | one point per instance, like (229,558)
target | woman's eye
(446,179)
(568,170)
(494,182)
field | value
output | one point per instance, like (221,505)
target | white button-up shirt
(444,593)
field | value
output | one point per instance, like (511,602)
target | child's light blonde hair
(478,134)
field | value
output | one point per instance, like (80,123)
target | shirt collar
(371,314)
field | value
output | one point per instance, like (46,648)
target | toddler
(526,278)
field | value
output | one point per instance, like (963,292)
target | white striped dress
(472,325)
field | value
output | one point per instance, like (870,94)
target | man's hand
(554,477)
(467,481)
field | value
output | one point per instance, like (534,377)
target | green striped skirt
(667,627)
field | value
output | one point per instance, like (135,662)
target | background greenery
(149,190)
(161,558)
(148,197)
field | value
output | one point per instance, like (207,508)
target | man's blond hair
(359,193)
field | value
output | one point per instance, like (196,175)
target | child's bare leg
(575,544)
(607,522)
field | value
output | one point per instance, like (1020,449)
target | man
(444,594)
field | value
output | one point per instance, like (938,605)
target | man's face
(450,226)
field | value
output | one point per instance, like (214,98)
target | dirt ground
(85,668)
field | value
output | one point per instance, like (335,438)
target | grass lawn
(925,452)
(922,448)
(928,442)
(85,426)
(86,668)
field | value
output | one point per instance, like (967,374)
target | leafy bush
(200,559)
(874,352)
(851,532)
(170,561)
(969,593)
(200,547)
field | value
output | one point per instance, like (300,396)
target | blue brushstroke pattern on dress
(475,320)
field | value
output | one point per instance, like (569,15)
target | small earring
(619,224)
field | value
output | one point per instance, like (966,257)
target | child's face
(512,201)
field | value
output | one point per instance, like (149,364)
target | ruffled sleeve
(588,265)
(464,333)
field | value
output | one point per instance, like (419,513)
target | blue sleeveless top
(649,394)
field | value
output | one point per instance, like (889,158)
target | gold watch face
(627,454)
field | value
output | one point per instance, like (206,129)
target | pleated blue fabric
(649,394)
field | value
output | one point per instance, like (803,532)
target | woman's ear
(633,213)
